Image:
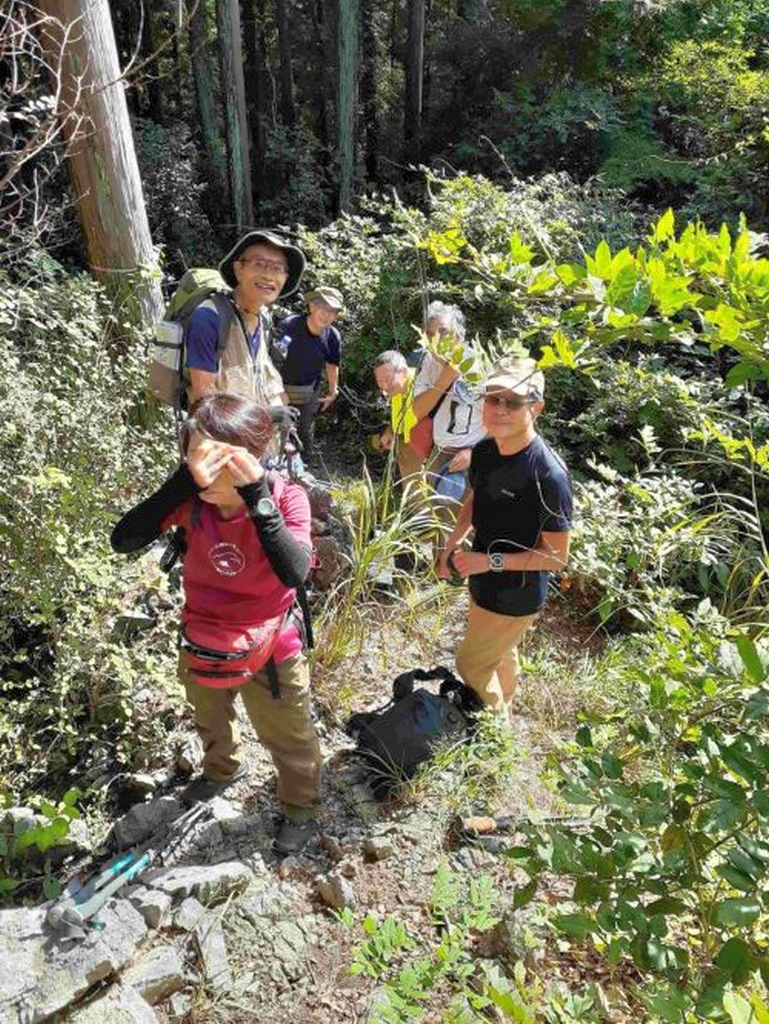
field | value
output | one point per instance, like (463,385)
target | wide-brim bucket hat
(266,236)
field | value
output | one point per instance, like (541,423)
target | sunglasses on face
(267,266)
(511,404)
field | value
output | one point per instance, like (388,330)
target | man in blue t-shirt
(305,347)
(520,508)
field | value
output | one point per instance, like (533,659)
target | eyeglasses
(268,266)
(511,404)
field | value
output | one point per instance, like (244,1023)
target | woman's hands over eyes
(244,467)
(206,461)
(209,458)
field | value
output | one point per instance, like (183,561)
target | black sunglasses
(509,403)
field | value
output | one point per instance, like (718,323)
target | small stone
(287,866)
(208,882)
(153,905)
(213,952)
(130,623)
(242,824)
(332,846)
(335,891)
(143,782)
(348,868)
(223,811)
(378,848)
(190,755)
(178,1005)
(119,1005)
(189,914)
(157,977)
(272,904)
(144,819)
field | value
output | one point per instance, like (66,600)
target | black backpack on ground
(396,739)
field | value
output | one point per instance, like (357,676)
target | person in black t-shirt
(305,347)
(520,509)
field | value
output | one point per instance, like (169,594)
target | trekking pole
(80,903)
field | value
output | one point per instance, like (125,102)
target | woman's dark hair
(235,419)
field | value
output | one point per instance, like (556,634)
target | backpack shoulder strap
(226,312)
(301,590)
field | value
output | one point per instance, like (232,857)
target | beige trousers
(283,725)
(487,659)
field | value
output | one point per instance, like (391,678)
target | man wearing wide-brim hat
(519,507)
(261,267)
(305,347)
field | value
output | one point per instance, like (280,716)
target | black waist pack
(395,739)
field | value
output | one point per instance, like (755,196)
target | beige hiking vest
(245,374)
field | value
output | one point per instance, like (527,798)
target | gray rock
(268,906)
(208,882)
(189,914)
(178,1005)
(335,891)
(130,623)
(190,755)
(242,824)
(144,819)
(333,847)
(118,1005)
(158,976)
(520,935)
(223,811)
(213,952)
(153,905)
(15,821)
(378,848)
(41,972)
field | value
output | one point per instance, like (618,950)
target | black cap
(294,257)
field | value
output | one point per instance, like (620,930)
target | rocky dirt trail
(228,932)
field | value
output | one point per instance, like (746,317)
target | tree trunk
(415,59)
(255,96)
(368,91)
(347,97)
(287,109)
(321,85)
(156,87)
(234,92)
(101,156)
(213,146)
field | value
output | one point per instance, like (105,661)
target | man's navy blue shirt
(304,354)
(203,340)
(515,499)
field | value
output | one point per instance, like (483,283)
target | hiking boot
(294,835)
(202,789)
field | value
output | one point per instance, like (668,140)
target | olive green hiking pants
(284,725)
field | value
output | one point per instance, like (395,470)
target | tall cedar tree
(283,22)
(101,155)
(368,79)
(256,93)
(347,97)
(234,93)
(213,146)
(415,60)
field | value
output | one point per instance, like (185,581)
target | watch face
(496,562)
(265,506)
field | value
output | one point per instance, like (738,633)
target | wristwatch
(496,562)
(263,508)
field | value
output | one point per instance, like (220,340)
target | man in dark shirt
(305,347)
(520,508)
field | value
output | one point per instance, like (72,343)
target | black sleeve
(141,525)
(289,559)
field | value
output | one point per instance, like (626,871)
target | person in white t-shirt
(457,416)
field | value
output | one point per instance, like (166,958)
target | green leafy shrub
(671,871)
(71,457)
